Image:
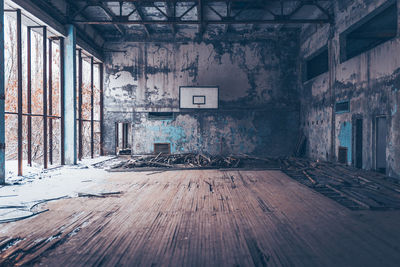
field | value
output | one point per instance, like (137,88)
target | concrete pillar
(2,97)
(70,96)
(332,78)
(334,61)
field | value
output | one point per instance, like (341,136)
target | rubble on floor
(353,188)
(192,160)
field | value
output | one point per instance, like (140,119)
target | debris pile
(354,188)
(188,160)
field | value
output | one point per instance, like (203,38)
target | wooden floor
(203,218)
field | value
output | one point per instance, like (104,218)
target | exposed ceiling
(146,19)
(99,21)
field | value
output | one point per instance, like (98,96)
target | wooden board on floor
(202,218)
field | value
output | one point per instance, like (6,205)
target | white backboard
(198,97)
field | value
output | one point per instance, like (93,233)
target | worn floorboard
(203,218)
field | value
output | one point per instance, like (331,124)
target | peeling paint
(345,138)
(370,80)
(258,111)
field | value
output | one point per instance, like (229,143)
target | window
(377,28)
(161,115)
(317,64)
(163,148)
(342,106)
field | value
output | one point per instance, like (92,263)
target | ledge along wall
(258,88)
(370,81)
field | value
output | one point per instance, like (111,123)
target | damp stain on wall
(345,138)
(257,80)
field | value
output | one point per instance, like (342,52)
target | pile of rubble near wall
(191,160)
(179,161)
(354,188)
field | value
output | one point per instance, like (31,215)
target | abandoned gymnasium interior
(200,133)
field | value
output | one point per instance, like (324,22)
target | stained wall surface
(258,94)
(370,81)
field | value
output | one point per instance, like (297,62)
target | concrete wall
(258,83)
(371,81)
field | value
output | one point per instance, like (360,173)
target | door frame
(375,139)
(123,133)
(355,118)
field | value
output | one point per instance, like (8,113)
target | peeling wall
(345,138)
(371,81)
(258,87)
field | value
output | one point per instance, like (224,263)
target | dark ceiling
(190,19)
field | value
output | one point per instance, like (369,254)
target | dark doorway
(122,141)
(381,135)
(342,155)
(358,142)
(125,134)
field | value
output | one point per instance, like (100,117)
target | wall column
(101,74)
(69,96)
(332,93)
(2,97)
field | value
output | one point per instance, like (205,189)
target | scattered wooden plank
(360,186)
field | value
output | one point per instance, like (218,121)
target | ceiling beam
(44,14)
(228,14)
(171,12)
(232,17)
(208,1)
(201,19)
(373,35)
(195,22)
(141,16)
(112,16)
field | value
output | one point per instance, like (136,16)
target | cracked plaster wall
(258,83)
(370,81)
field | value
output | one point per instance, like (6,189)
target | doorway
(358,142)
(122,140)
(381,136)
(342,155)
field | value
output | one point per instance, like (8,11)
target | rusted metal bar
(44,96)
(2,100)
(101,74)
(90,120)
(19,66)
(62,106)
(91,107)
(80,129)
(29,95)
(32,115)
(50,101)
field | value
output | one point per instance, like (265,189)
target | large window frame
(378,27)
(23,93)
